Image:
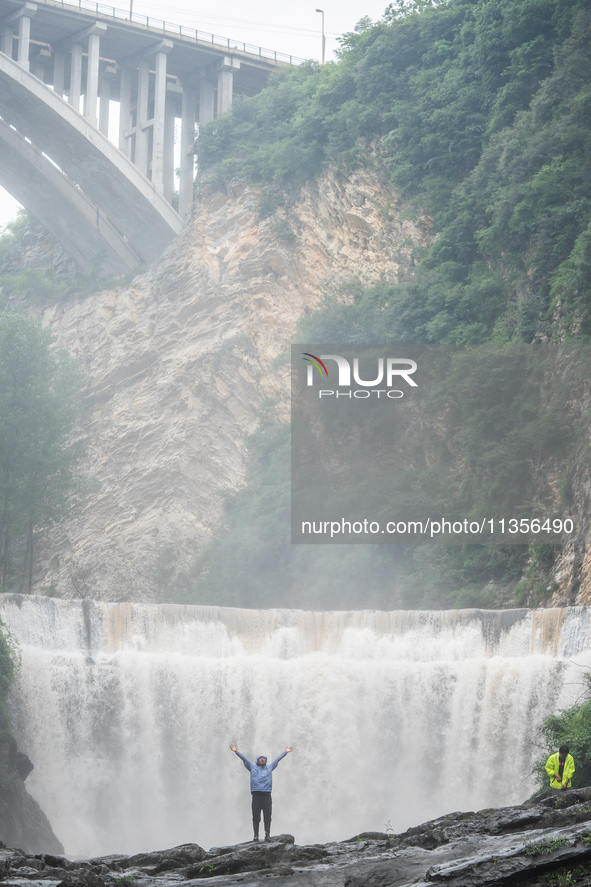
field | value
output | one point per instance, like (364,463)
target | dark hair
(563,750)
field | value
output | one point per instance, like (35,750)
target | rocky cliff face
(180,359)
(22,821)
(572,570)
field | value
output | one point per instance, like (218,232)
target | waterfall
(128,711)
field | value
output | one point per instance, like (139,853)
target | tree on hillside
(399,8)
(39,409)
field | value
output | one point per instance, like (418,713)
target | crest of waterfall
(128,710)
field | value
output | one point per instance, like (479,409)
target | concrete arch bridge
(76,78)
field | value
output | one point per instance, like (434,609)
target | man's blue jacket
(261,778)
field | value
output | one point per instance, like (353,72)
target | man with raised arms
(261,783)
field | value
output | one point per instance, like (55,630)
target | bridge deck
(56,22)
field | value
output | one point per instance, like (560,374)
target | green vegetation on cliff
(39,408)
(34,270)
(479,112)
(571,727)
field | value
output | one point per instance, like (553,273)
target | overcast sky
(293,28)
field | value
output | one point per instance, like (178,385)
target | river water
(128,711)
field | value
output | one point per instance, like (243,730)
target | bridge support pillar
(24,39)
(59,73)
(158,132)
(7,38)
(105,98)
(169,122)
(125,112)
(189,108)
(206,101)
(92,78)
(226,85)
(37,62)
(75,76)
(142,134)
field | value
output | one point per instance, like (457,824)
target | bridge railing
(155,24)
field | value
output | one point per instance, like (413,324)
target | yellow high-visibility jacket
(552,765)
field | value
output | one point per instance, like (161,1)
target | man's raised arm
(244,760)
(281,756)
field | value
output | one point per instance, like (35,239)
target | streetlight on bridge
(323,36)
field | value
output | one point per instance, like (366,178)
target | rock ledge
(510,846)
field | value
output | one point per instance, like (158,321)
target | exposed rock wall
(572,570)
(571,573)
(38,251)
(22,821)
(180,359)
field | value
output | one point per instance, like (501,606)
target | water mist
(128,710)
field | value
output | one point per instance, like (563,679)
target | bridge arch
(139,222)
(62,67)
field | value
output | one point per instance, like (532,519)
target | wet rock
(491,847)
(18,760)
(163,861)
(23,765)
(22,821)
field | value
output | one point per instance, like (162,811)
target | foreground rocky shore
(548,842)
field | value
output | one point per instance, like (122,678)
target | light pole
(323,37)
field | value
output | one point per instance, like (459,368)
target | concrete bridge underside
(104,208)
(73,77)
(61,207)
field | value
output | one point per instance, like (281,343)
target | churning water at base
(127,711)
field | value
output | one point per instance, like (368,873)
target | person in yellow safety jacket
(560,767)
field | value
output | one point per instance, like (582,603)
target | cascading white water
(127,711)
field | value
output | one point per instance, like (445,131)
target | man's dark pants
(261,802)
